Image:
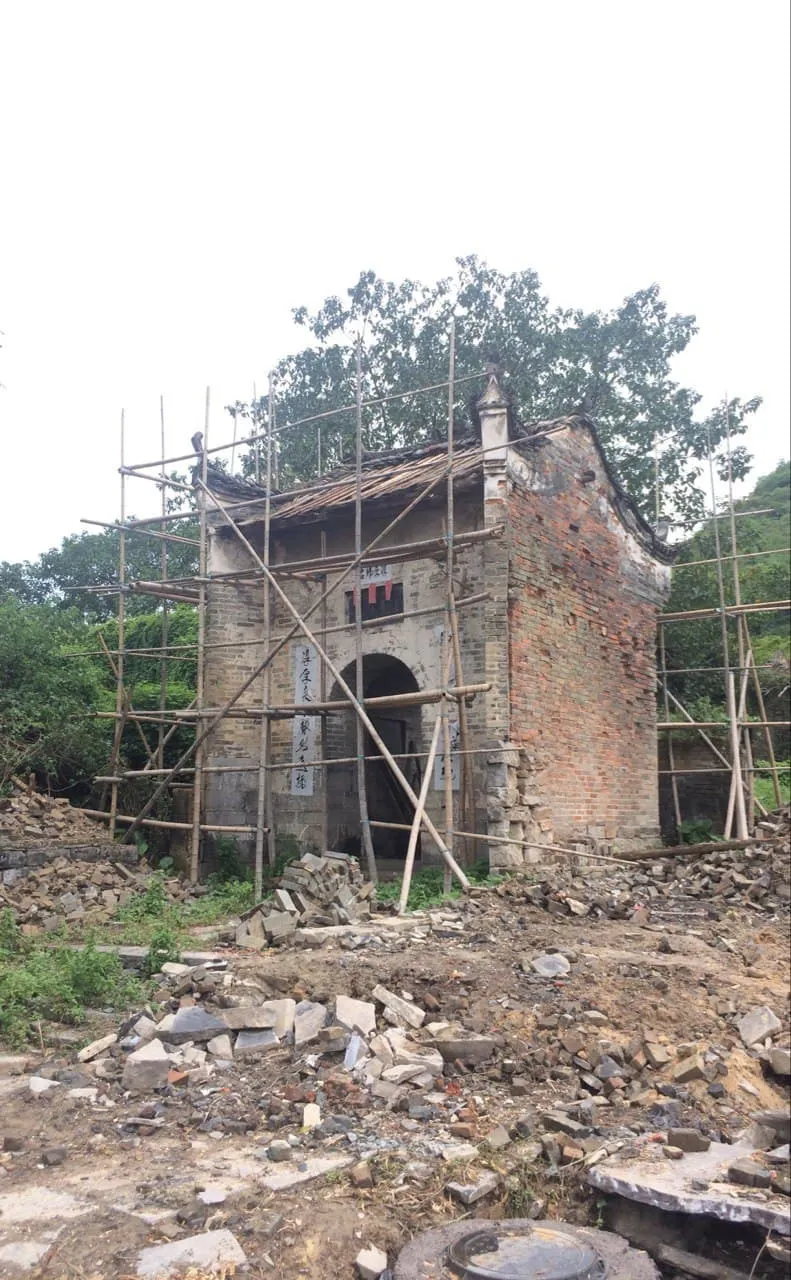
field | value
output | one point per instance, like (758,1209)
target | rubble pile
(313,891)
(756,877)
(67,891)
(28,817)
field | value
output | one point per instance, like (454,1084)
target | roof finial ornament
(493,394)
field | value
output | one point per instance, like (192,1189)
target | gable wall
(583,600)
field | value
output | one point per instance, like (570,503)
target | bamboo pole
(145,533)
(449,532)
(362,789)
(119,682)
(670,749)
(264,787)
(730,698)
(344,687)
(197,790)
(448,763)
(325,798)
(166,826)
(249,680)
(414,831)
(741,813)
(163,666)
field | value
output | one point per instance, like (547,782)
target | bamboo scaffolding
(197,790)
(369,623)
(345,688)
(414,830)
(242,689)
(419,550)
(302,422)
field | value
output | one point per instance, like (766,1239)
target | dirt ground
(120,1188)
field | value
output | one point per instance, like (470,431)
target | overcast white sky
(176,176)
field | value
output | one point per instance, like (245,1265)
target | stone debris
(758,877)
(371,1263)
(313,891)
(756,1025)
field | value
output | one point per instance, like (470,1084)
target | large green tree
(617,365)
(62,575)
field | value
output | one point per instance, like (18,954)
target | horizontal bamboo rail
(168,826)
(730,610)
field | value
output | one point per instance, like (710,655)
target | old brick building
(564,581)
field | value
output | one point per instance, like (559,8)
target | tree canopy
(617,364)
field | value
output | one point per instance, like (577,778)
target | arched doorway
(400,729)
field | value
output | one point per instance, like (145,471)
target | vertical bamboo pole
(197,787)
(365,825)
(737,789)
(256,442)
(265,736)
(730,697)
(466,769)
(446,746)
(324,773)
(163,561)
(669,736)
(119,683)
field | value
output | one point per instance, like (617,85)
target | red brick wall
(583,600)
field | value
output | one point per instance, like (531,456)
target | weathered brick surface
(583,600)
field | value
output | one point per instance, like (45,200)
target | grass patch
(152,920)
(57,984)
(426,889)
(764,786)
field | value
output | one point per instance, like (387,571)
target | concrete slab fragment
(210,1250)
(315,1167)
(649,1178)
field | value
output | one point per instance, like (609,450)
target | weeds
(427,888)
(55,983)
(163,948)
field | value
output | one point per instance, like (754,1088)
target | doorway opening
(400,730)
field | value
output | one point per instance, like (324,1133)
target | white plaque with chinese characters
(439,760)
(307,728)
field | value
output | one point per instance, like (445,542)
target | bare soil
(689,996)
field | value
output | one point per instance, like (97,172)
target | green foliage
(697,831)
(230,864)
(620,362)
(152,902)
(426,889)
(44,698)
(55,983)
(163,949)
